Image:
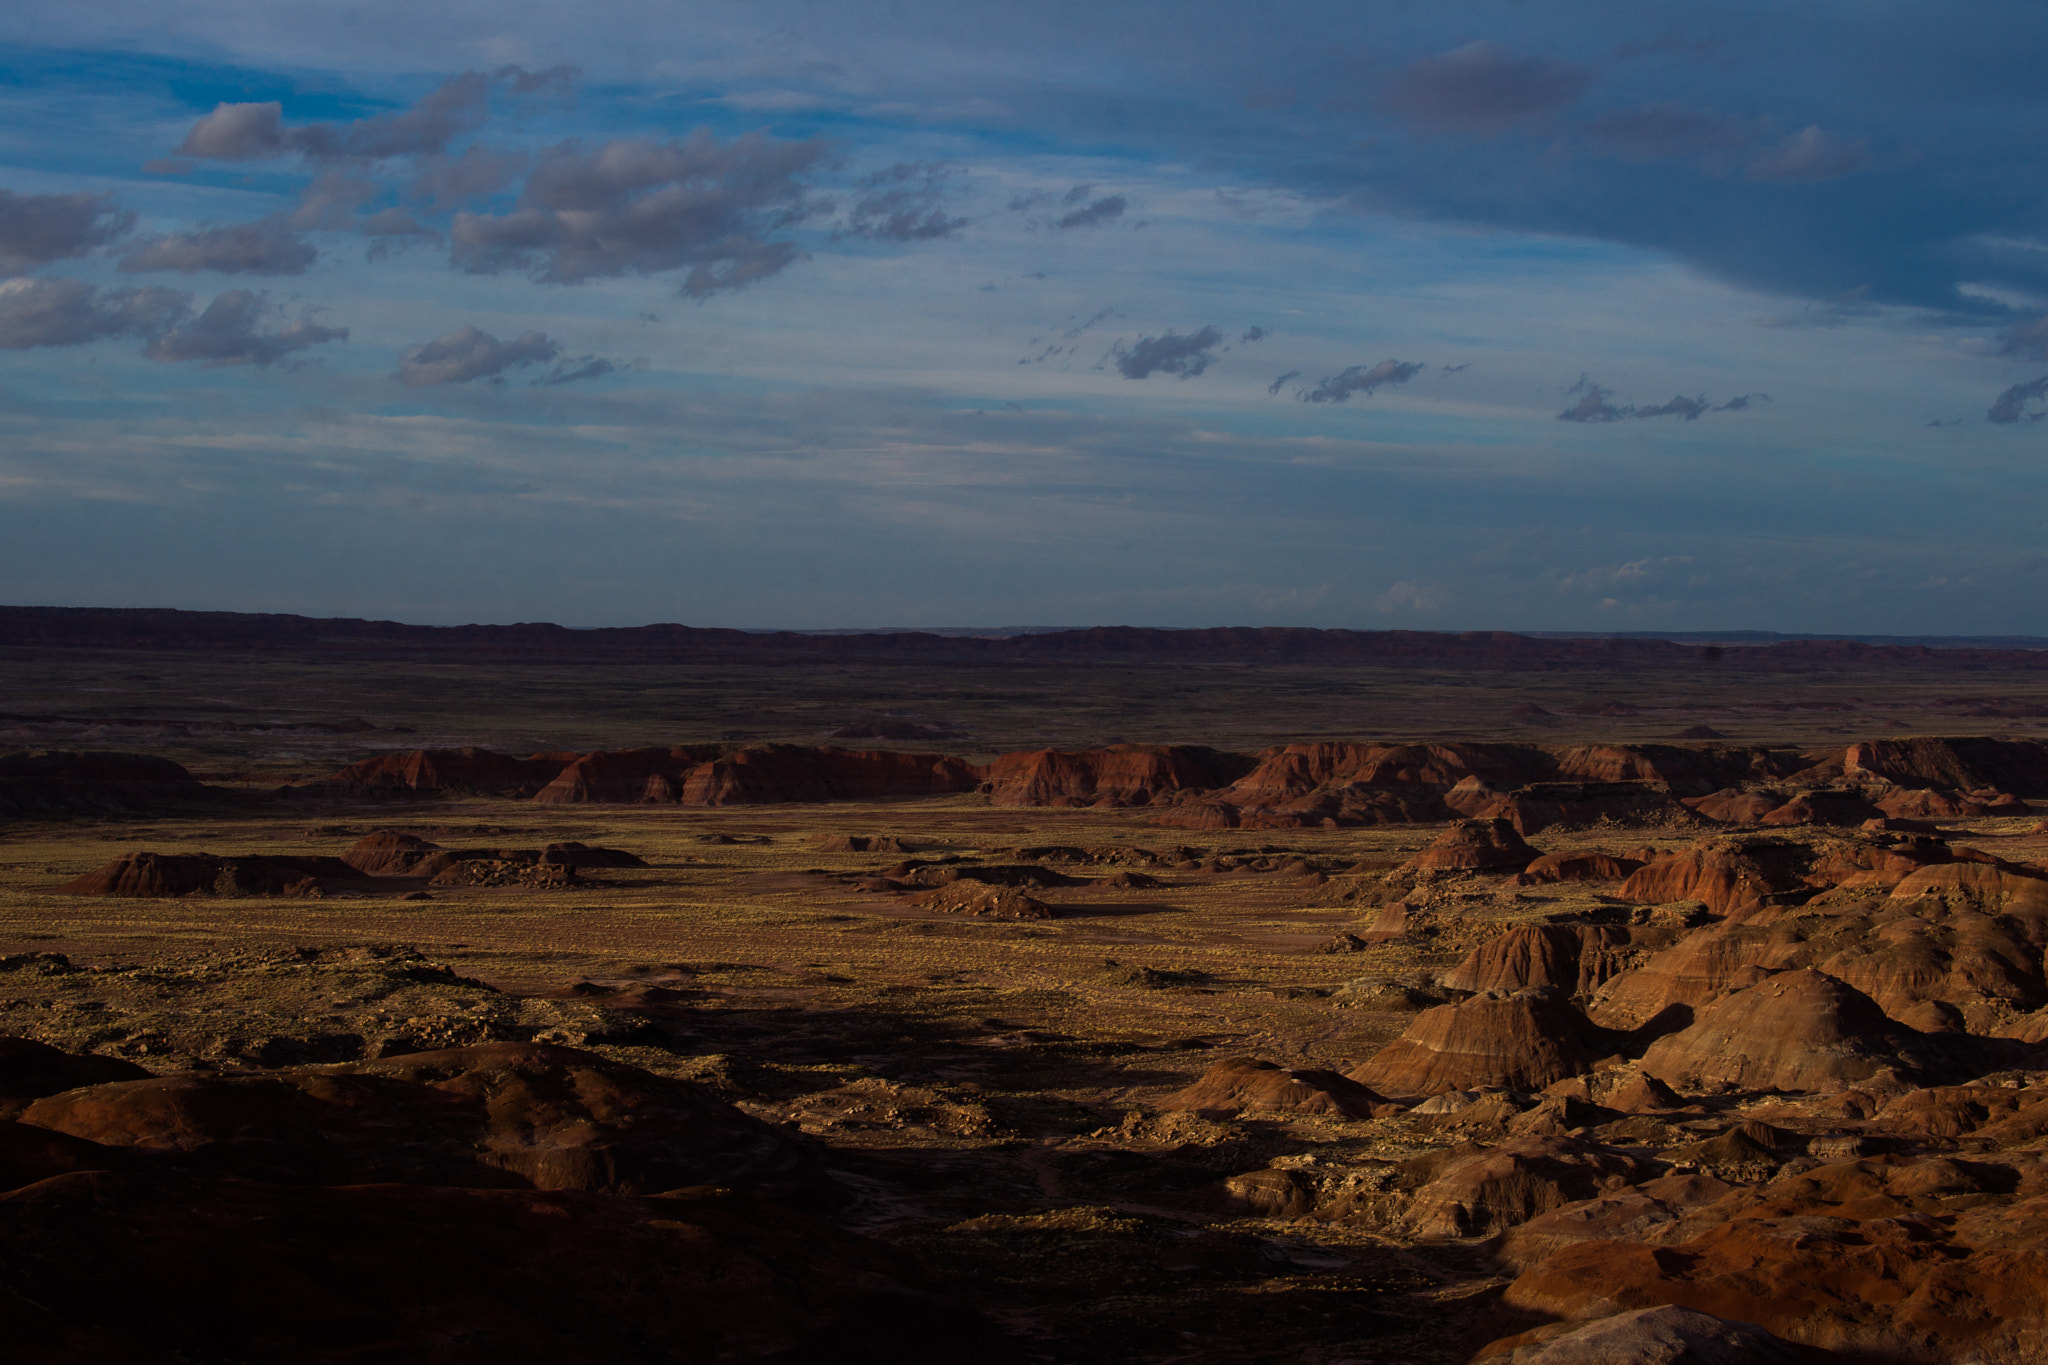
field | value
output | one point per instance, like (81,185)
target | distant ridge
(540,642)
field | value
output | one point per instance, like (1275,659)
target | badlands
(363,1035)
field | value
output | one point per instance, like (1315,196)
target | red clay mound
(1727,875)
(1842,808)
(187,874)
(497,1114)
(1126,775)
(700,775)
(56,782)
(1655,1336)
(1488,1191)
(573,854)
(1662,994)
(468,771)
(1795,1030)
(1577,867)
(983,901)
(1523,1041)
(1241,1085)
(1573,958)
(388,853)
(2019,766)
(1474,846)
(30,1070)
(1887,1259)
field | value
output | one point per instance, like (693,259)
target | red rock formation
(1793,1030)
(1889,1259)
(1573,958)
(1662,994)
(1655,1336)
(700,775)
(186,874)
(1126,775)
(1525,1041)
(389,852)
(1731,806)
(58,783)
(1474,846)
(1487,1191)
(497,1114)
(452,771)
(1727,875)
(2019,766)
(1576,867)
(1821,808)
(1239,1085)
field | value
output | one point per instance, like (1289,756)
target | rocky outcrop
(1655,1336)
(1523,1040)
(1125,775)
(188,874)
(450,772)
(1572,958)
(1551,868)
(1799,1030)
(1474,846)
(699,775)
(1240,1085)
(1726,875)
(1495,1188)
(2019,766)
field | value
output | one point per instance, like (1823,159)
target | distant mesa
(1699,732)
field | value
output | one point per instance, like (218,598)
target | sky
(1534,314)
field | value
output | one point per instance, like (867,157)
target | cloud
(1680,406)
(1279,383)
(903,204)
(2011,406)
(1483,87)
(1094,215)
(1654,132)
(231,332)
(331,201)
(583,367)
(1182,357)
(1409,595)
(447,182)
(1810,156)
(60,312)
(2029,338)
(1252,334)
(36,229)
(460,105)
(1592,405)
(268,246)
(1338,388)
(646,207)
(393,223)
(467,353)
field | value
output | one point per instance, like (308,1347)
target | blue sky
(1451,316)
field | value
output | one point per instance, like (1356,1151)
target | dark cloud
(448,182)
(36,229)
(1809,156)
(467,353)
(1101,211)
(2012,405)
(1592,405)
(1183,357)
(583,367)
(1254,333)
(331,201)
(393,223)
(59,312)
(1595,405)
(904,203)
(2028,338)
(1483,87)
(269,246)
(458,106)
(1656,131)
(1455,369)
(232,332)
(1338,388)
(1679,406)
(1281,382)
(644,207)
(1078,194)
